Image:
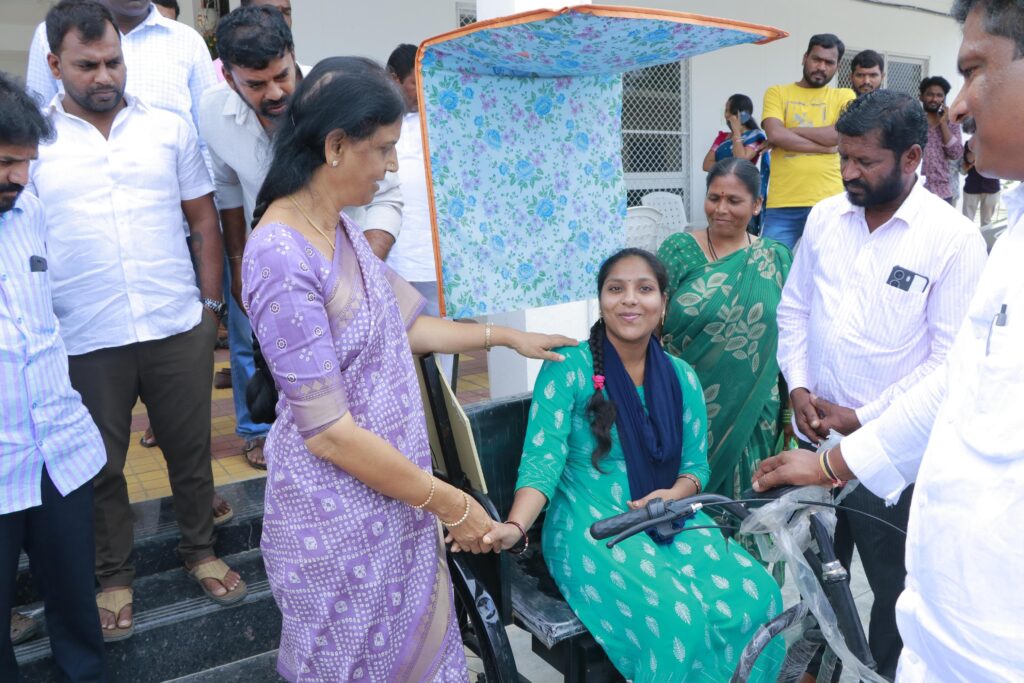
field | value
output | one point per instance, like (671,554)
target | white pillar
(509,372)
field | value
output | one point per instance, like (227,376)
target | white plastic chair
(645,228)
(671,207)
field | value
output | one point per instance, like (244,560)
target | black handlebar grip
(612,526)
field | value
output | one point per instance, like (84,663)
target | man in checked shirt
(49,447)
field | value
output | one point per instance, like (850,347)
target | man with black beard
(134,318)
(944,141)
(878,290)
(799,121)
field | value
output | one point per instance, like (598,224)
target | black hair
(867,59)
(22,124)
(742,169)
(827,41)
(252,36)
(88,17)
(1003,18)
(350,94)
(601,411)
(172,4)
(935,80)
(402,61)
(897,116)
(740,102)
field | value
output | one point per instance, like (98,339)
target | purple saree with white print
(360,578)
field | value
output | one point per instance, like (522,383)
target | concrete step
(156,534)
(261,668)
(178,630)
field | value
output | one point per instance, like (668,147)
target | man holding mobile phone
(878,288)
(944,141)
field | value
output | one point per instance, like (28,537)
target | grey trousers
(173,378)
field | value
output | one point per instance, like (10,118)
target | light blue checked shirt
(42,419)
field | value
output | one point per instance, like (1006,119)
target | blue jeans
(785,225)
(242,364)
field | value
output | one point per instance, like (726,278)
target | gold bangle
(430,497)
(465,515)
(234,258)
(487,336)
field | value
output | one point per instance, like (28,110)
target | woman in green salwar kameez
(617,423)
(724,286)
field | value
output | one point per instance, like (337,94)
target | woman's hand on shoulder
(535,345)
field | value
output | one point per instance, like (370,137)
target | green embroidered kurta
(678,612)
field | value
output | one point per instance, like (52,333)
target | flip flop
(219,571)
(23,628)
(249,447)
(224,517)
(114,601)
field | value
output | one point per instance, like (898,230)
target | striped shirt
(42,419)
(848,336)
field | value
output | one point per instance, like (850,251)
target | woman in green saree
(724,286)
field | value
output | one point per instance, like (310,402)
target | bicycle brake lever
(663,522)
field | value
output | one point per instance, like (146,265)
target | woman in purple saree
(350,536)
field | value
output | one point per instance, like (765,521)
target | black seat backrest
(498,429)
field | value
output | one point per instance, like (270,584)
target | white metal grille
(465,14)
(656,130)
(902,74)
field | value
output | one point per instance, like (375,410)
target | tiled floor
(146,471)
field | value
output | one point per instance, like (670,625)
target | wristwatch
(219,308)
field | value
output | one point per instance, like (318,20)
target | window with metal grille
(465,14)
(902,73)
(656,130)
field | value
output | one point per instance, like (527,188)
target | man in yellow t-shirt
(799,121)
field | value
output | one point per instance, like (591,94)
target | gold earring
(663,317)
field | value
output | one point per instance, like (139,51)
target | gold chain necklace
(310,221)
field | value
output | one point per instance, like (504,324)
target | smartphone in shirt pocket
(907,280)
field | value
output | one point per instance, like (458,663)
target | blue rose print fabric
(524,132)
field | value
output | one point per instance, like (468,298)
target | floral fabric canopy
(522,128)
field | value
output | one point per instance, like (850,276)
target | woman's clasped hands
(486,535)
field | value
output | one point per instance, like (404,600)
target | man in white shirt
(878,289)
(168,62)
(237,119)
(959,435)
(170,68)
(115,184)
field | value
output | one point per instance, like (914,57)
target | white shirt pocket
(892,318)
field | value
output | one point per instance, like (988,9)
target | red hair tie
(598,382)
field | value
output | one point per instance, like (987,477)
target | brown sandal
(249,447)
(219,571)
(222,517)
(148,440)
(114,601)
